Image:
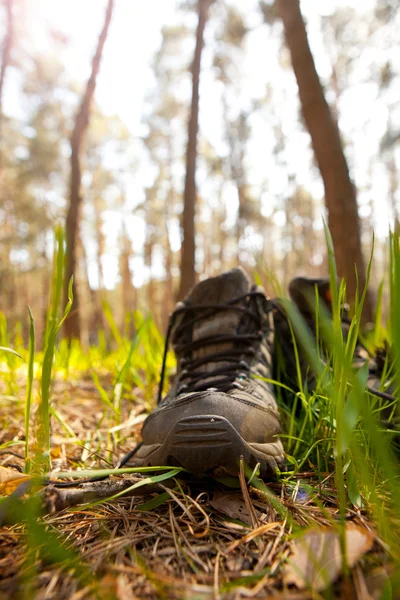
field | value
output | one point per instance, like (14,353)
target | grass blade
(44,410)
(29,384)
(10,351)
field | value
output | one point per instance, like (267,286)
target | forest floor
(177,538)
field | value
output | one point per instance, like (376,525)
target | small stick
(56,499)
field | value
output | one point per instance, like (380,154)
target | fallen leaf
(10,479)
(124,589)
(8,488)
(231,504)
(317,559)
(10,474)
(56,452)
(109,585)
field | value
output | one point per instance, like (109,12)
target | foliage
(74,408)
(334,431)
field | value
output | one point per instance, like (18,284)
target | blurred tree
(164,140)
(374,33)
(227,58)
(299,235)
(388,76)
(72,324)
(278,231)
(32,185)
(5,58)
(108,160)
(212,230)
(340,193)
(188,272)
(128,292)
(6,289)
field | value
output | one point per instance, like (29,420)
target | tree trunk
(168,302)
(340,193)
(128,293)
(5,59)
(220,231)
(85,291)
(241,220)
(98,223)
(189,198)
(72,324)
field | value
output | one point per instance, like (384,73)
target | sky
(126,77)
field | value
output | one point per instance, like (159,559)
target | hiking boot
(218,409)
(302,293)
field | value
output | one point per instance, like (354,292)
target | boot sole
(209,443)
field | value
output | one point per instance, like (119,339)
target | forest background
(99,104)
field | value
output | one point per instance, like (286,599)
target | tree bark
(128,292)
(72,324)
(340,193)
(167,306)
(190,193)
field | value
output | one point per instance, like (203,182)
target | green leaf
(154,503)
(105,472)
(351,412)
(139,484)
(29,385)
(110,320)
(352,486)
(102,392)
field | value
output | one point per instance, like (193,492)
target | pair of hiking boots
(222,404)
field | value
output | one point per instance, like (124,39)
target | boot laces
(235,366)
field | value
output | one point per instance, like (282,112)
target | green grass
(131,365)
(340,428)
(334,430)
(29,384)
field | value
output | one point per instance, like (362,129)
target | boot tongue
(218,291)
(302,292)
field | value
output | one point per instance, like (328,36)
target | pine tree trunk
(85,291)
(168,254)
(128,293)
(98,223)
(7,43)
(167,306)
(5,60)
(220,231)
(189,198)
(241,217)
(99,296)
(340,193)
(168,303)
(72,324)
